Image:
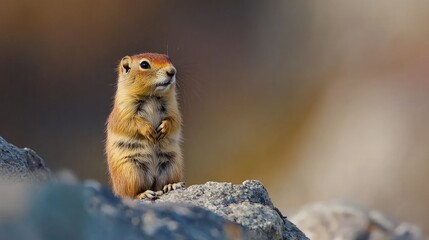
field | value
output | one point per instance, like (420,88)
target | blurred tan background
(318,100)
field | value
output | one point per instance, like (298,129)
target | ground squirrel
(144,128)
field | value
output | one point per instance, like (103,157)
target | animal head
(147,74)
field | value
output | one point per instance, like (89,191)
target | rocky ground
(64,208)
(35,204)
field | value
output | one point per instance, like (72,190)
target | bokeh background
(319,100)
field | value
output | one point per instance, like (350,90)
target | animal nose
(171,72)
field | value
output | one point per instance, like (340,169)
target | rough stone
(90,211)
(340,220)
(20,164)
(247,204)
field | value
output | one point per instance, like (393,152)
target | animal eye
(145,65)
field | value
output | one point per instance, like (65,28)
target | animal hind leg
(149,194)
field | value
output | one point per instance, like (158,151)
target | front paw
(150,133)
(163,129)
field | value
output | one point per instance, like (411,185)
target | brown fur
(144,128)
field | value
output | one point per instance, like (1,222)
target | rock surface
(67,209)
(20,164)
(327,221)
(90,211)
(247,204)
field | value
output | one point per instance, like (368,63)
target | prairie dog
(144,129)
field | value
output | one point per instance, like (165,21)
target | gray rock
(336,220)
(89,211)
(20,164)
(247,204)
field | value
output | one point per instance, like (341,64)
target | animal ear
(125,65)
